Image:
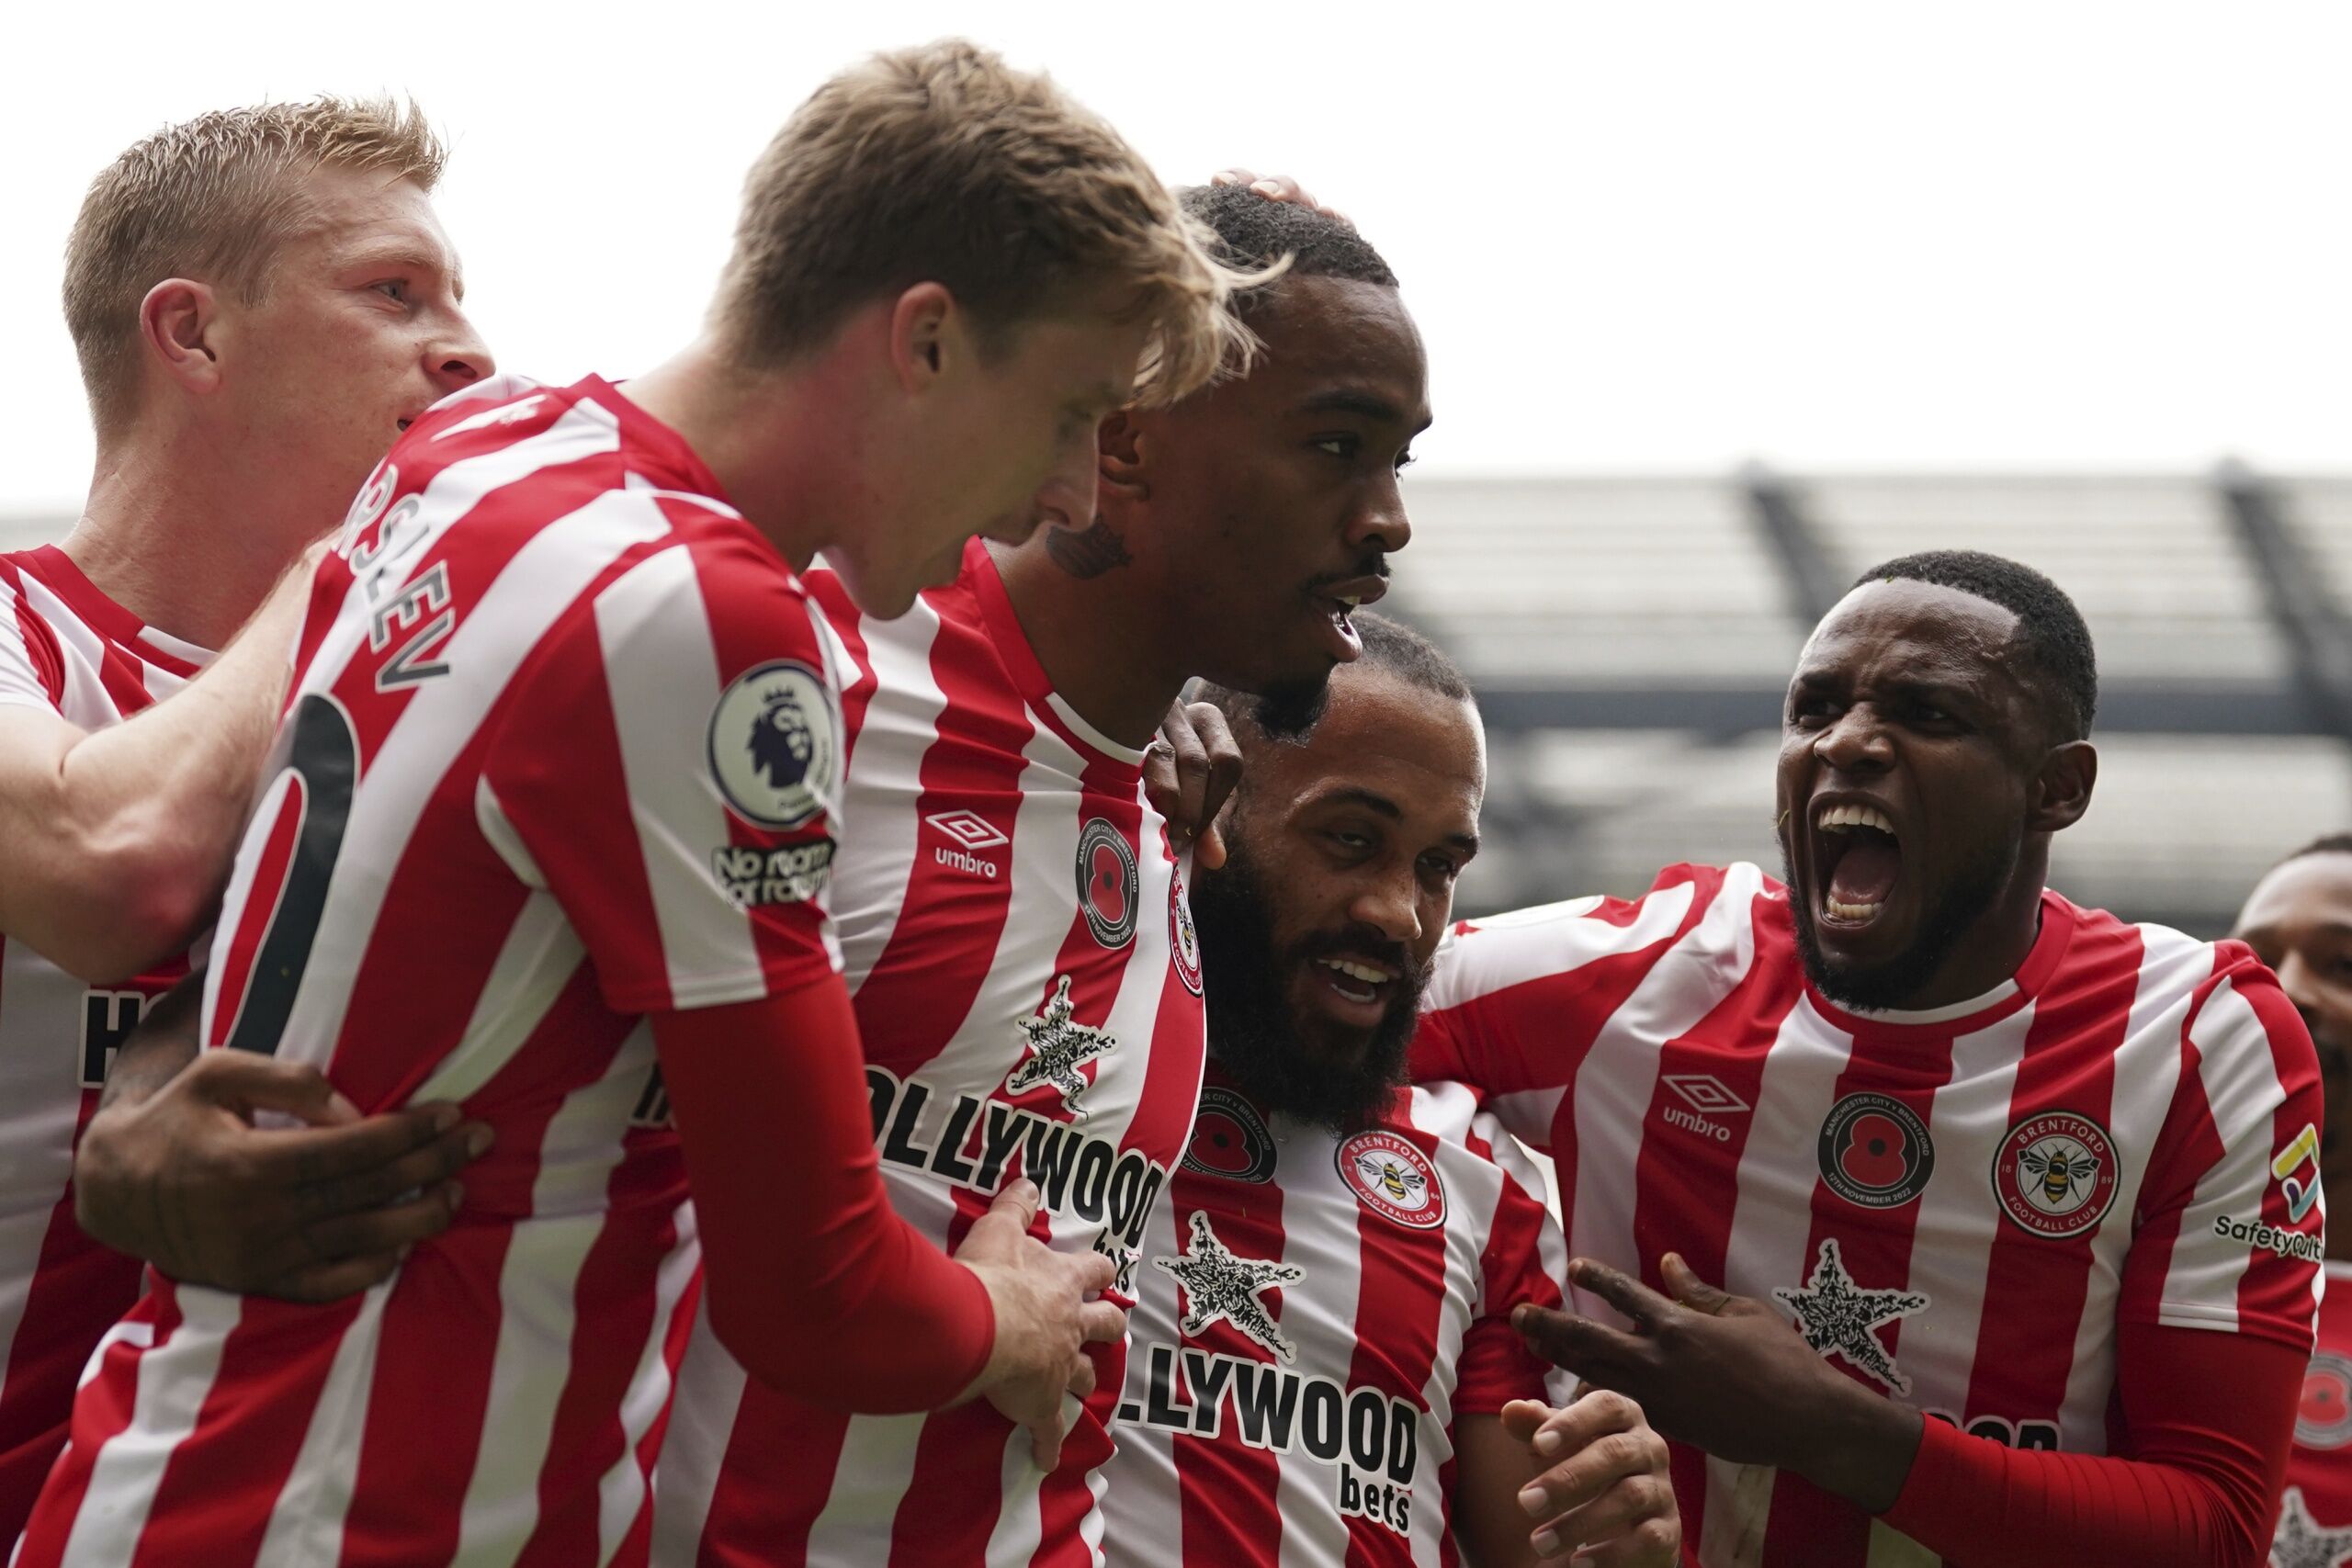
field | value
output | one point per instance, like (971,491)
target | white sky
(1640,236)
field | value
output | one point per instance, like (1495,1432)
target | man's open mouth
(1857,861)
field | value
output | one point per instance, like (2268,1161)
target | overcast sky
(1637,236)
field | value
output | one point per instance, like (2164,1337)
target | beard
(1288,709)
(1887,987)
(1304,1069)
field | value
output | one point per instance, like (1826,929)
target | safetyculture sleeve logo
(2301,1193)
(1393,1179)
(1874,1151)
(2055,1174)
(772,744)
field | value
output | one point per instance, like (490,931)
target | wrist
(1862,1448)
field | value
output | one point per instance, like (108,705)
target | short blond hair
(943,164)
(212,199)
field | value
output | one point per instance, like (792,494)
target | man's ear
(2063,792)
(181,333)
(1119,448)
(926,336)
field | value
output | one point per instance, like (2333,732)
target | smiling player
(1332,1378)
(2035,1186)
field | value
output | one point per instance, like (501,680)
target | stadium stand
(1630,637)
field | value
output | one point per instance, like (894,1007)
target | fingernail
(478,1142)
(444,1117)
(456,1196)
(1532,1499)
(1547,1442)
(1267,188)
(1548,1542)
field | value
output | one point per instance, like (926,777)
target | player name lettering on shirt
(1372,1439)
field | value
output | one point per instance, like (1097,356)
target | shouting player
(1334,1378)
(1012,912)
(260,299)
(2038,1190)
(2298,920)
(555,796)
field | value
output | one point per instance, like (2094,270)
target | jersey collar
(2058,921)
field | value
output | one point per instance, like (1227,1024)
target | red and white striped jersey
(1955,1208)
(66,648)
(1026,981)
(2314,1527)
(559,754)
(1315,1313)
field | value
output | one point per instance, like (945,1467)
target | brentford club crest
(1393,1179)
(1108,883)
(2056,1174)
(1184,942)
(1229,1138)
(2323,1419)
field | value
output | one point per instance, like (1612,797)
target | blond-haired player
(555,800)
(260,299)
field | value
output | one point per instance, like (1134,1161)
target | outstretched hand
(1727,1374)
(1608,1498)
(1050,1306)
(183,1179)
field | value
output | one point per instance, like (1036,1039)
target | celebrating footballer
(840,951)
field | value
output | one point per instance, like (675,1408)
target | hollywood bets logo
(1108,882)
(1874,1151)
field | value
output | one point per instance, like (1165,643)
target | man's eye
(392,290)
(1341,446)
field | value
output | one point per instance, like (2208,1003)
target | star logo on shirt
(1217,1284)
(1838,1318)
(1057,1046)
(2301,1543)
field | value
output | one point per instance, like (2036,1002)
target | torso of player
(1014,929)
(2315,1516)
(93,664)
(1290,1382)
(1947,1207)
(1017,942)
(450,890)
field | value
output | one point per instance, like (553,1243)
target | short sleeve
(2229,1233)
(32,673)
(667,767)
(1516,1001)
(1524,1258)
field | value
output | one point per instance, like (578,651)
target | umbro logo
(1706,1097)
(969,833)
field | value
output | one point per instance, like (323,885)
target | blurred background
(1725,303)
